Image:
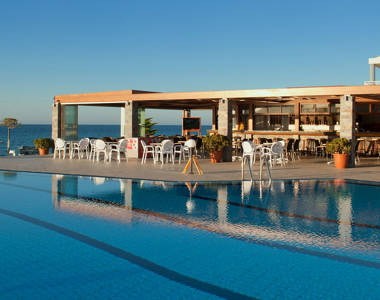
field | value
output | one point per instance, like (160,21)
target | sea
(26,134)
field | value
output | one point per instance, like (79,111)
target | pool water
(93,237)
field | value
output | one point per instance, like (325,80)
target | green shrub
(43,143)
(339,145)
(215,142)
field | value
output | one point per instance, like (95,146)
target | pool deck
(306,168)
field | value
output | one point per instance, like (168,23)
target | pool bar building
(298,112)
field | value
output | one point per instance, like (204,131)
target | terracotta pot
(216,156)
(43,151)
(341,160)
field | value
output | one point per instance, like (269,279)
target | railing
(371,82)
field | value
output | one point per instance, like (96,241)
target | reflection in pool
(233,239)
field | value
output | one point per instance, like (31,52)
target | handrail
(372,82)
(263,159)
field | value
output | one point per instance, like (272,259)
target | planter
(43,151)
(216,156)
(341,160)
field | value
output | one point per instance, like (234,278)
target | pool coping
(346,180)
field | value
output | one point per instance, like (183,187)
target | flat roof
(206,99)
(374,61)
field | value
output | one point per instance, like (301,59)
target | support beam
(214,118)
(347,123)
(122,121)
(56,121)
(186,113)
(225,125)
(250,118)
(131,125)
(372,72)
(237,115)
(297,117)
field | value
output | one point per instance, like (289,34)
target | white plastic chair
(249,151)
(189,147)
(92,148)
(146,150)
(166,148)
(121,147)
(275,153)
(100,147)
(60,146)
(178,149)
(81,148)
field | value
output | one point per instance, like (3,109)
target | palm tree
(10,123)
(149,131)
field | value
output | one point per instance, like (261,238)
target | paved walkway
(367,170)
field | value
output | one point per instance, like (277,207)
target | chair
(275,153)
(320,148)
(121,147)
(190,145)
(178,149)
(60,146)
(100,147)
(166,148)
(92,148)
(249,151)
(296,149)
(81,148)
(288,149)
(147,150)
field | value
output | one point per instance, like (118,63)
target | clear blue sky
(64,47)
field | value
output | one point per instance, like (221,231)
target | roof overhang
(374,61)
(209,99)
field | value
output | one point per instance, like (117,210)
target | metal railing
(372,82)
(263,160)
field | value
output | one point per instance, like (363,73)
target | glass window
(335,107)
(274,109)
(261,122)
(261,110)
(307,108)
(376,108)
(70,122)
(362,108)
(322,108)
(288,109)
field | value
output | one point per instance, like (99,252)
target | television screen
(191,123)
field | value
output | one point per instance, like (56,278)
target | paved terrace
(367,170)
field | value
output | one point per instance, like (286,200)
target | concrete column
(131,125)
(122,121)
(250,118)
(372,72)
(141,120)
(347,122)
(225,125)
(237,116)
(56,121)
(214,118)
(186,113)
(297,117)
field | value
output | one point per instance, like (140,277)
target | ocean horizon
(27,133)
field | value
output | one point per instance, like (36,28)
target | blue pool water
(93,237)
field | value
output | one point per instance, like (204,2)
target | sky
(53,47)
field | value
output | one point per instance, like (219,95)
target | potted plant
(340,148)
(43,145)
(214,144)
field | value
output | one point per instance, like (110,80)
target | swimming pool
(93,237)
